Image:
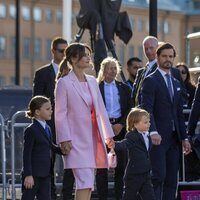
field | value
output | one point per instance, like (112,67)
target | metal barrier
(3,154)
(14,124)
(183,182)
(13,169)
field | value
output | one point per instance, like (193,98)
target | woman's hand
(66,147)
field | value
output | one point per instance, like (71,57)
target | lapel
(101,87)
(42,131)
(92,89)
(175,88)
(120,89)
(52,74)
(141,139)
(77,86)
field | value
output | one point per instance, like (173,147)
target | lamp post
(17,44)
(153,18)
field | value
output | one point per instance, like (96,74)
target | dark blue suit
(37,161)
(137,174)
(168,120)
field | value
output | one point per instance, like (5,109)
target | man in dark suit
(44,84)
(150,44)
(161,97)
(117,99)
(133,64)
(195,111)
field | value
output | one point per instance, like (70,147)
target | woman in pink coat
(82,123)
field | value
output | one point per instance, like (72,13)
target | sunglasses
(183,72)
(60,50)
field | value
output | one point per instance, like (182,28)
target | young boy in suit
(37,158)
(137,178)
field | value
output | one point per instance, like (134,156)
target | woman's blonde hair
(134,116)
(104,64)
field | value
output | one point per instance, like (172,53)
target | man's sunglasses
(60,50)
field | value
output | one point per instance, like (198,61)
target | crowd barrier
(11,155)
(3,158)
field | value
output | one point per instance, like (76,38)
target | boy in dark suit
(37,156)
(137,178)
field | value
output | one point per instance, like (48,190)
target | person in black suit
(133,64)
(137,178)
(37,155)
(44,84)
(194,114)
(161,96)
(117,99)
(150,44)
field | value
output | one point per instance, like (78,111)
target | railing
(3,157)
(5,171)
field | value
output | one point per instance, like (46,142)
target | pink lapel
(92,89)
(77,86)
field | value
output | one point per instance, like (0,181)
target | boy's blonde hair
(134,117)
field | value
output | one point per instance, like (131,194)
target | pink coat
(73,123)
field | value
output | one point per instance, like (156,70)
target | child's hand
(110,142)
(28,182)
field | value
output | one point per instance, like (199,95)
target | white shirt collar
(55,66)
(111,83)
(43,123)
(164,72)
(151,63)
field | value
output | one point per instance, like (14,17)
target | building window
(2,10)
(166,27)
(147,26)
(140,52)
(140,25)
(37,49)
(12,11)
(121,54)
(196,29)
(196,4)
(49,15)
(37,14)
(196,59)
(158,26)
(2,81)
(26,13)
(132,22)
(2,46)
(13,46)
(131,51)
(48,49)
(12,80)
(59,16)
(27,46)
(26,82)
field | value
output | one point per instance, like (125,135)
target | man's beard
(167,65)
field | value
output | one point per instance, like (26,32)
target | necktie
(169,86)
(47,131)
